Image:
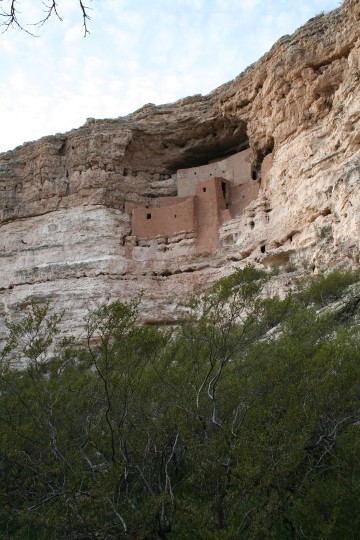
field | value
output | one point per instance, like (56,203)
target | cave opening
(185,144)
(210,145)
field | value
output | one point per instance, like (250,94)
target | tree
(241,423)
(10,15)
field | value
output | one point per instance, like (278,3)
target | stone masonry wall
(243,195)
(167,220)
(203,213)
(211,202)
(236,169)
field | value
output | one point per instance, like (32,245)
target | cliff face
(64,235)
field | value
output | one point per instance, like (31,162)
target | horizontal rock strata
(64,235)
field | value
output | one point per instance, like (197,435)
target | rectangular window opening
(148,216)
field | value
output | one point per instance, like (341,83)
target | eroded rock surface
(64,235)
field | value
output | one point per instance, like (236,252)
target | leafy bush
(323,289)
(215,430)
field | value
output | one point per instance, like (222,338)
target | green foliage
(241,423)
(33,335)
(323,289)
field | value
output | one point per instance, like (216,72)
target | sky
(137,52)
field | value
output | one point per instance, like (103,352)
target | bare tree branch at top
(50,9)
(85,17)
(10,15)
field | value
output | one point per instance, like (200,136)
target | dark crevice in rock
(168,273)
(62,149)
(185,146)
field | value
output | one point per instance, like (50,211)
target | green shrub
(216,430)
(323,289)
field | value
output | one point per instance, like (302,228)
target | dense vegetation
(242,423)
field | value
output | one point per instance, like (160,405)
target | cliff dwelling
(207,196)
(199,202)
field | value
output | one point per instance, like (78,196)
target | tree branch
(49,11)
(85,16)
(10,17)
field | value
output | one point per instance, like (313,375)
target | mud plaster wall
(167,220)
(214,202)
(168,201)
(243,195)
(236,169)
(211,202)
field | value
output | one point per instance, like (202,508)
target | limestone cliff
(64,234)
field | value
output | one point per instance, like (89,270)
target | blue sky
(144,51)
